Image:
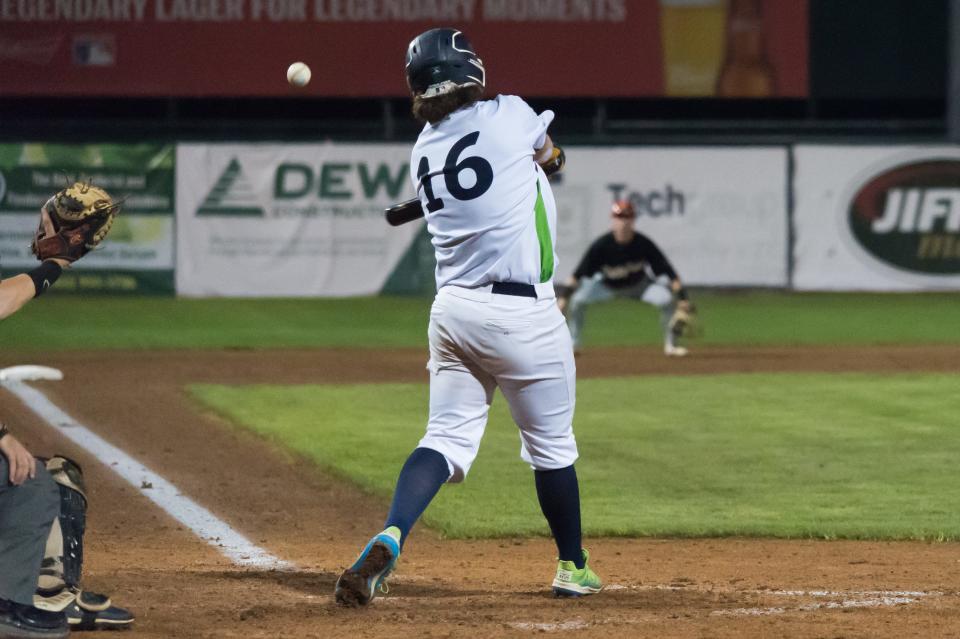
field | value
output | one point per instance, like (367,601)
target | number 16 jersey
(488,206)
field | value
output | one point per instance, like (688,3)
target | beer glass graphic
(715,47)
(692,37)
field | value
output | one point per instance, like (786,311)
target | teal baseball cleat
(573,582)
(358,584)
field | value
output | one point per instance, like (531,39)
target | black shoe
(84,610)
(93,611)
(19,621)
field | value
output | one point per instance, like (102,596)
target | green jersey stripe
(543,237)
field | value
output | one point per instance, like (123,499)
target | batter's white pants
(592,290)
(480,341)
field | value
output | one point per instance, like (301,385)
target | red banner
(627,48)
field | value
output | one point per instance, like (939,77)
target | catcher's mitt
(684,322)
(73,222)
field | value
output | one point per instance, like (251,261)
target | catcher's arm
(403,212)
(14,293)
(20,289)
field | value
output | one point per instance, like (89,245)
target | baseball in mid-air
(298,74)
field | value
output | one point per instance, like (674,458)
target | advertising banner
(877,218)
(718,214)
(271,220)
(724,48)
(137,256)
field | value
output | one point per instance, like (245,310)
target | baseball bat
(403,212)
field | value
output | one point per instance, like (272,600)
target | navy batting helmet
(440,61)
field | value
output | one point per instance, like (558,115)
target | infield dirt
(181,587)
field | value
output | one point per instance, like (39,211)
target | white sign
(877,218)
(718,214)
(289,220)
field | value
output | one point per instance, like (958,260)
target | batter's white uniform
(492,216)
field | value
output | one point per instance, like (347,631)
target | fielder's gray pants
(592,290)
(26,513)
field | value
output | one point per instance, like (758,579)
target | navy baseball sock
(559,495)
(424,472)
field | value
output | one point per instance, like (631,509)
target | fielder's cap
(623,209)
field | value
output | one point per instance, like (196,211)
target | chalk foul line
(202,522)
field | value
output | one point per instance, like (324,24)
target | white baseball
(298,74)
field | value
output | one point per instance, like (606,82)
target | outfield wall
(275,219)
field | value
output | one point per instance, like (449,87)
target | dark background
(878,70)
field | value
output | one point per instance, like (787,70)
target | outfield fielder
(494,322)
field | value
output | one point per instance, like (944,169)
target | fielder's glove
(73,222)
(685,322)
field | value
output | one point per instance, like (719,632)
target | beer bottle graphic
(746,71)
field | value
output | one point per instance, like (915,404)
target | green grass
(154,322)
(758,317)
(786,455)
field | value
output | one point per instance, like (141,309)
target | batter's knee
(459,457)
(548,452)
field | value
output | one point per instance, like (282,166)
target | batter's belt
(514,288)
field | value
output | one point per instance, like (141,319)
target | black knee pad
(63,559)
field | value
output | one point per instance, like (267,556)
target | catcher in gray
(625,263)
(43,502)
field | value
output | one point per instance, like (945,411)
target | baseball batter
(494,322)
(625,263)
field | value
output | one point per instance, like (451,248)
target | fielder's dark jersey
(623,265)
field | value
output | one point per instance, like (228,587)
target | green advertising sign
(138,255)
